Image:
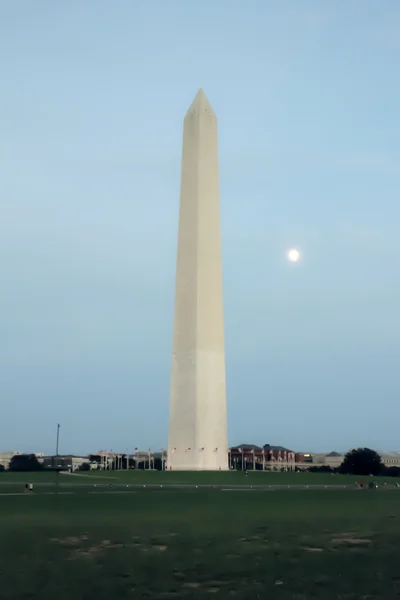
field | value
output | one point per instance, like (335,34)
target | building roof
(281,448)
(261,448)
(63,456)
(247,447)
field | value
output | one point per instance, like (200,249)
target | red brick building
(250,456)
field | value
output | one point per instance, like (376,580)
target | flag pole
(58,437)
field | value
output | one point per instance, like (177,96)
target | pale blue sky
(92,99)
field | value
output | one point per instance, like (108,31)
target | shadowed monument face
(198,425)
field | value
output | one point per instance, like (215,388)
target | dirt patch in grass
(70,540)
(351,541)
(254,540)
(95,550)
(85,553)
(211,587)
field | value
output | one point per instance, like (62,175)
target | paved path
(135,487)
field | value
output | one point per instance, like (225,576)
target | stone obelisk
(198,422)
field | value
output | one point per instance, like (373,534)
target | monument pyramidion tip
(200,105)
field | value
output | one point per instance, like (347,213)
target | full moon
(293,255)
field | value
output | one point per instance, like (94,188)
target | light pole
(58,437)
(58,471)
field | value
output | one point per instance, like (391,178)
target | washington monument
(197,422)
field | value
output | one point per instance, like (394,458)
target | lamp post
(58,437)
(58,470)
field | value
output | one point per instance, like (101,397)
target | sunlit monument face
(197,420)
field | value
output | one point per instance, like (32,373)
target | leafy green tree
(25,462)
(84,467)
(322,469)
(362,461)
(392,471)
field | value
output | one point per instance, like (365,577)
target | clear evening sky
(92,100)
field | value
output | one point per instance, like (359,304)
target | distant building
(391,459)
(66,462)
(275,458)
(332,459)
(5,457)
(335,459)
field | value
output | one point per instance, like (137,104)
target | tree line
(361,461)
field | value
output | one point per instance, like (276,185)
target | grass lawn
(201,543)
(190,478)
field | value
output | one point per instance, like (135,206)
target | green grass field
(182,478)
(142,542)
